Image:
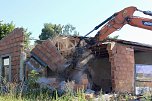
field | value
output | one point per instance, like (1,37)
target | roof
(135,45)
(129,43)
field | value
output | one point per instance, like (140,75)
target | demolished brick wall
(49,54)
(122,67)
(12,45)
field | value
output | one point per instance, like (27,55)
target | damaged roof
(129,43)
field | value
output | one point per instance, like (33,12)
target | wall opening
(50,73)
(143,71)
(6,68)
(101,70)
(102,75)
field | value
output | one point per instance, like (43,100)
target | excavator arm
(119,19)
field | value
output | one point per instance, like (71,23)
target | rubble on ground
(65,64)
(65,67)
(58,70)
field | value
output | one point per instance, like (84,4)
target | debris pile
(65,64)
(58,63)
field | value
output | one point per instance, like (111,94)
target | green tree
(69,30)
(50,30)
(27,38)
(113,37)
(5,29)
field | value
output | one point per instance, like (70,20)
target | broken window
(6,68)
(143,78)
(143,72)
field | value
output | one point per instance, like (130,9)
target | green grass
(34,92)
(39,96)
(15,92)
(79,96)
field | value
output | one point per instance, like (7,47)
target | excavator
(114,23)
(83,53)
(121,18)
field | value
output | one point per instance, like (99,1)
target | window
(143,77)
(143,72)
(6,68)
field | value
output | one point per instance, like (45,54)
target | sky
(144,69)
(83,14)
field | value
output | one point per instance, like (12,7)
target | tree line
(48,31)
(52,30)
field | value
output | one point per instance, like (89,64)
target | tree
(50,30)
(69,30)
(5,29)
(114,37)
(27,38)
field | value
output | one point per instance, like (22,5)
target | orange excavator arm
(119,19)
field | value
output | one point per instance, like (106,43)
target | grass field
(44,95)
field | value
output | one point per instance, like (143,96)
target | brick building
(11,56)
(116,67)
(118,64)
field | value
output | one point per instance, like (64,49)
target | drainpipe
(21,71)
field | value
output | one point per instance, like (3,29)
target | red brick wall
(12,45)
(122,67)
(49,54)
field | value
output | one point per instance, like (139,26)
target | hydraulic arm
(123,17)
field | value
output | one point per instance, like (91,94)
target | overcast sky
(83,14)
